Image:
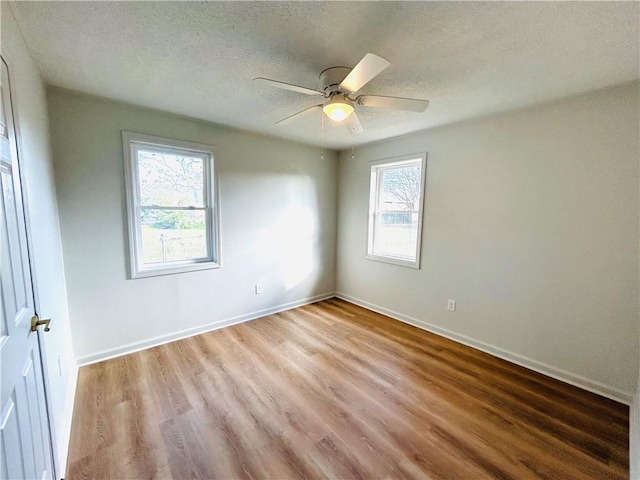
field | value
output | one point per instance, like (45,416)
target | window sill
(173,269)
(394,261)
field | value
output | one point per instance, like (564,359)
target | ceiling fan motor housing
(331,78)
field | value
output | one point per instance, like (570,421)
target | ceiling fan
(339,85)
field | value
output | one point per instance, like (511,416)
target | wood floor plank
(332,390)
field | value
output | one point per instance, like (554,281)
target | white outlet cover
(451,305)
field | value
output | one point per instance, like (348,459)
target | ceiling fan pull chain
(353,143)
(322,137)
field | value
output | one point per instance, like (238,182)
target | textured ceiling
(198,59)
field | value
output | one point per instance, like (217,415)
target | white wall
(278,214)
(42,221)
(531,225)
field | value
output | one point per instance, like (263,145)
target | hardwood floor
(332,390)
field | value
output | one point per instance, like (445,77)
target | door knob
(36,322)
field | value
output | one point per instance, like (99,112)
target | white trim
(374,188)
(634,435)
(26,214)
(130,144)
(393,260)
(534,365)
(170,269)
(65,423)
(539,367)
(190,332)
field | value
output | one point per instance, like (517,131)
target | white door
(25,443)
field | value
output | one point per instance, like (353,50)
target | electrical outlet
(451,305)
(258,288)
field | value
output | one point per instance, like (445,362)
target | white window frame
(131,143)
(374,188)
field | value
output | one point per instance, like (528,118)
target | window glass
(395,211)
(173,235)
(170,198)
(170,180)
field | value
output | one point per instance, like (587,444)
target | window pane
(395,204)
(396,234)
(400,188)
(173,235)
(170,180)
(397,221)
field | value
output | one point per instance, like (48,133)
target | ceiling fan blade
(288,86)
(393,103)
(353,124)
(299,115)
(367,68)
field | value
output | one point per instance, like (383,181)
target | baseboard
(634,436)
(190,332)
(64,434)
(539,367)
(536,366)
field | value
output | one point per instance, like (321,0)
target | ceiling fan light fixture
(339,88)
(338,108)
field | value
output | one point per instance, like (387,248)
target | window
(172,207)
(395,210)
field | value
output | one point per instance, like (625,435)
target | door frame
(30,248)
